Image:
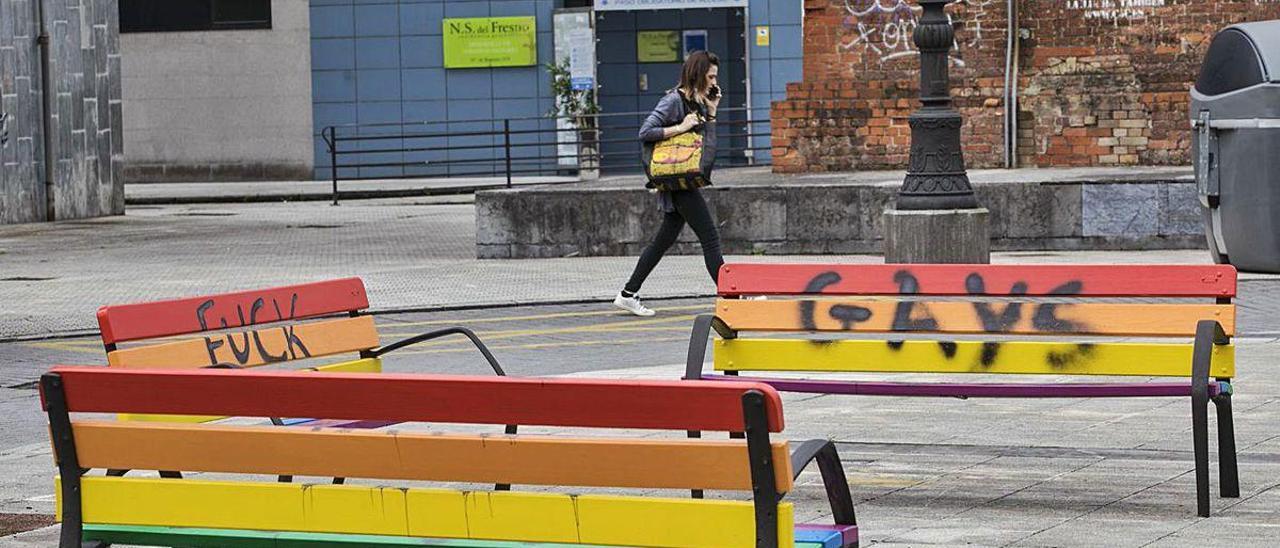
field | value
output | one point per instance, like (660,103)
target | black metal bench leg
(1200,435)
(1228,474)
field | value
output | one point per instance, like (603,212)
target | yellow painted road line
(517,333)
(536,346)
(709,307)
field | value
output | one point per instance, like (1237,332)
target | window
(189,15)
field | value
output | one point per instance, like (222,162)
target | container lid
(1241,56)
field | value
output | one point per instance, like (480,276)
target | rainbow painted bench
(1015,319)
(290,336)
(234,509)
(321,320)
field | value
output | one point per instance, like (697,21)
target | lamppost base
(937,236)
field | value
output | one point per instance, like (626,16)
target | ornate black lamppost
(936,177)
(936,218)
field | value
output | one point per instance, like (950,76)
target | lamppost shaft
(936,177)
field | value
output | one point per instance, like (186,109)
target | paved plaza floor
(925,472)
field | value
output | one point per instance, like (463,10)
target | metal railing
(514,146)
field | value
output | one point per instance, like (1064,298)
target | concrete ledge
(199,173)
(762,213)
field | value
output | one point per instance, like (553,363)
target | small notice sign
(657,46)
(762,35)
(482,42)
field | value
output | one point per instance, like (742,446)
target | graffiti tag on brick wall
(1115,10)
(4,129)
(883,29)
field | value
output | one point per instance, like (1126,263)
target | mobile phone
(714,92)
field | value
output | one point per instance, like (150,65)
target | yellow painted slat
(683,522)
(533,460)
(364,365)
(1151,359)
(255,347)
(890,315)
(597,519)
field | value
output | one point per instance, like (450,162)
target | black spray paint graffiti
(243,351)
(912,316)
(4,129)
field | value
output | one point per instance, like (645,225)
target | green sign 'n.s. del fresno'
(482,42)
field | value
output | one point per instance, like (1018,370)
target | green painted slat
(182,537)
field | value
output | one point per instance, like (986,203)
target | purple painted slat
(977,390)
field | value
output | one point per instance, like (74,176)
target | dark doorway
(627,85)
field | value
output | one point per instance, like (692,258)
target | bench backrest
(1044,303)
(571,460)
(287,306)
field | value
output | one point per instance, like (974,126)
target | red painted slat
(991,280)
(674,405)
(131,322)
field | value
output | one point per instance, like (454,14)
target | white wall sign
(623,5)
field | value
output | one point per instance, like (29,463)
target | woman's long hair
(694,74)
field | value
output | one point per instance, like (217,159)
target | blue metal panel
(785,12)
(470,109)
(332,21)
(421,52)
(423,84)
(513,82)
(786,71)
(421,19)
(785,41)
(466,9)
(425,111)
(516,108)
(332,86)
(378,85)
(761,76)
(377,53)
(512,8)
(377,20)
(333,54)
(469,83)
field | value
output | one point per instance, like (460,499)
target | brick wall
(1100,82)
(88,147)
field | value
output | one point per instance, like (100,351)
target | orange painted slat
(674,405)
(254,348)
(993,280)
(885,316)
(528,460)
(131,322)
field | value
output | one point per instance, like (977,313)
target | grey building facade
(85,114)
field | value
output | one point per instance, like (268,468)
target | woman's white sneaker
(632,305)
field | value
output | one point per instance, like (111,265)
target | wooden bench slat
(131,322)
(255,348)
(243,538)
(1217,281)
(1153,359)
(527,460)
(363,365)
(1022,317)
(671,405)
(350,509)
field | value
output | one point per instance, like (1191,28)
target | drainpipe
(1011,86)
(46,84)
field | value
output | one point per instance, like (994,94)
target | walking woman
(690,107)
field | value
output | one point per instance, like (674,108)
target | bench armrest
(457,330)
(702,326)
(824,451)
